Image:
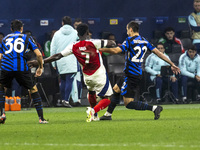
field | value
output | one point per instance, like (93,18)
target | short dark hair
(16,25)
(82,29)
(169,29)
(134,25)
(160,44)
(192,47)
(78,20)
(67,20)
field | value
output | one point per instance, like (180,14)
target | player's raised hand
(176,70)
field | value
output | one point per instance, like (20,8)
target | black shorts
(130,85)
(24,78)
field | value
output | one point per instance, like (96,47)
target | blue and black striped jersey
(135,49)
(13,48)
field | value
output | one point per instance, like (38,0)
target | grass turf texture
(178,128)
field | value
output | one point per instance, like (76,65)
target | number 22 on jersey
(139,50)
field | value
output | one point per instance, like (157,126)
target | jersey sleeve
(67,51)
(32,44)
(183,67)
(124,46)
(150,46)
(192,21)
(99,43)
(198,67)
(1,50)
(149,65)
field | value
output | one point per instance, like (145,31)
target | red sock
(101,105)
(92,99)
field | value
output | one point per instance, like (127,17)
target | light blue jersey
(153,65)
(189,67)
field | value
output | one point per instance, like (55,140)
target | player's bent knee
(127,101)
(34,89)
(116,88)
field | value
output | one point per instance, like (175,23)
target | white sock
(154,108)
(107,114)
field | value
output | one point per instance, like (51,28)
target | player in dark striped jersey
(135,48)
(14,65)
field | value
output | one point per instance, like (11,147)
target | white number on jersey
(87,57)
(18,41)
(136,57)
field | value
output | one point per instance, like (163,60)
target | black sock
(38,104)
(111,107)
(139,105)
(2,100)
(115,99)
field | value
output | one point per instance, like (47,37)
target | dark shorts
(130,85)
(120,81)
(24,78)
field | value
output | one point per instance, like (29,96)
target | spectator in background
(1,37)
(47,44)
(194,22)
(153,66)
(169,39)
(61,39)
(77,22)
(189,64)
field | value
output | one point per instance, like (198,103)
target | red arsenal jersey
(87,54)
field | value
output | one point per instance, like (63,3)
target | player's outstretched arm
(53,58)
(174,68)
(111,50)
(34,63)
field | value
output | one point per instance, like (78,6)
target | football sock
(139,105)
(111,107)
(2,100)
(101,105)
(154,108)
(38,104)
(92,98)
(115,99)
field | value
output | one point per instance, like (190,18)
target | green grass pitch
(178,128)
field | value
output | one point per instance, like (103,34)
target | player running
(135,48)
(94,72)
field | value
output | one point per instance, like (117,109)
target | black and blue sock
(139,105)
(38,104)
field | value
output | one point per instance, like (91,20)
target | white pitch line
(104,145)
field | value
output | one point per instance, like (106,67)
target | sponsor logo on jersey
(82,48)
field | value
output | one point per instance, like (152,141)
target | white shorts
(99,82)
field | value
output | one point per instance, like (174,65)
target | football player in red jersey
(94,73)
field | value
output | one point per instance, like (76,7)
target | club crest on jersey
(82,48)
